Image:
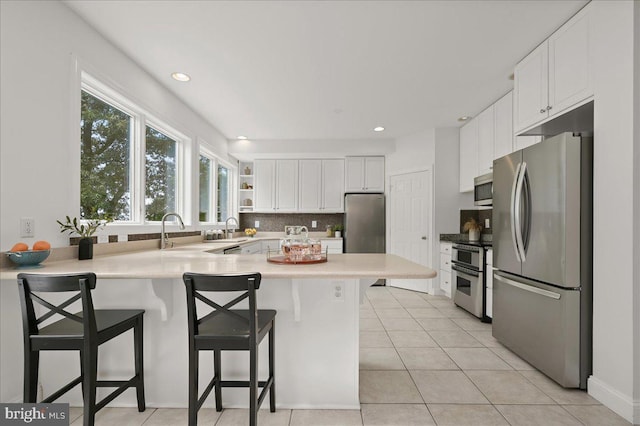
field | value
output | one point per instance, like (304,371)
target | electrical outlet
(27,225)
(337,291)
(314,223)
(487,223)
(103,239)
(123,238)
(257,224)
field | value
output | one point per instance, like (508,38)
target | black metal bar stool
(228,329)
(83,331)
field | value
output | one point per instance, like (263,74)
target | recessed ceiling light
(180,76)
(464,118)
(378,129)
(242,138)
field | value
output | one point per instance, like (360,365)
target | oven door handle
(465,271)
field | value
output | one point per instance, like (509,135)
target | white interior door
(410,222)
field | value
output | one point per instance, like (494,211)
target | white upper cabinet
(468,155)
(321,186)
(265,185)
(570,64)
(276,185)
(310,185)
(531,77)
(486,134)
(556,75)
(287,185)
(364,174)
(503,133)
(333,185)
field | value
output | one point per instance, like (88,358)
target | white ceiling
(330,69)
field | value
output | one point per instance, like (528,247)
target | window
(160,177)
(206,200)
(105,184)
(215,189)
(130,163)
(223,194)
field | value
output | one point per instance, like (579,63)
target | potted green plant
(85,230)
(474,229)
(337,231)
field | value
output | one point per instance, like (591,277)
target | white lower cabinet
(251,248)
(489,280)
(273,245)
(333,245)
(445,268)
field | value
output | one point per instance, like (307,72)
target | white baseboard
(421,285)
(613,399)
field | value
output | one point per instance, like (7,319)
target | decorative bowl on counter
(29,257)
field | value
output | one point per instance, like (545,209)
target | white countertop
(172,263)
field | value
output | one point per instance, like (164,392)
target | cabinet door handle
(543,110)
(424,237)
(549,107)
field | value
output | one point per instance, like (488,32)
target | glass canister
(315,249)
(295,245)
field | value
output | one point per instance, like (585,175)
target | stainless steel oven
(468,277)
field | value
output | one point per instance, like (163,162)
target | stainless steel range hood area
(579,120)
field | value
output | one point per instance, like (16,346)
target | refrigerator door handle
(516,207)
(513,212)
(528,288)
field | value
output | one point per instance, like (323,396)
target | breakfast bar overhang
(317,337)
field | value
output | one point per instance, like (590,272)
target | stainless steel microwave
(483,190)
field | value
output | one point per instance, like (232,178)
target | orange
(41,245)
(20,247)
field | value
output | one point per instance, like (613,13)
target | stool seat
(226,331)
(82,331)
(109,324)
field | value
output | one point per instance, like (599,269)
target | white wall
(615,212)
(39,152)
(636,209)
(437,149)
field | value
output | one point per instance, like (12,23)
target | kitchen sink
(227,240)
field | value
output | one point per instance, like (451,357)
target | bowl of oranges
(22,256)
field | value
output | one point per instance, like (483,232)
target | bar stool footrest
(66,388)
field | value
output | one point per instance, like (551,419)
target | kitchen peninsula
(317,326)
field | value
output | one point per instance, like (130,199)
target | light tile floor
(423,361)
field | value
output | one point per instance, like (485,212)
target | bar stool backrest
(198,283)
(82,284)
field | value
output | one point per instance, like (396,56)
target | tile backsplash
(276,222)
(479,216)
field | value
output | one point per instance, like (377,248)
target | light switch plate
(314,223)
(487,223)
(257,224)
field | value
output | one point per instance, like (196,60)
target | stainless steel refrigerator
(364,223)
(542,241)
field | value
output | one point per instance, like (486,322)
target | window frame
(141,118)
(213,185)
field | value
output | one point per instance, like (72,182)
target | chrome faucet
(164,239)
(226,225)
